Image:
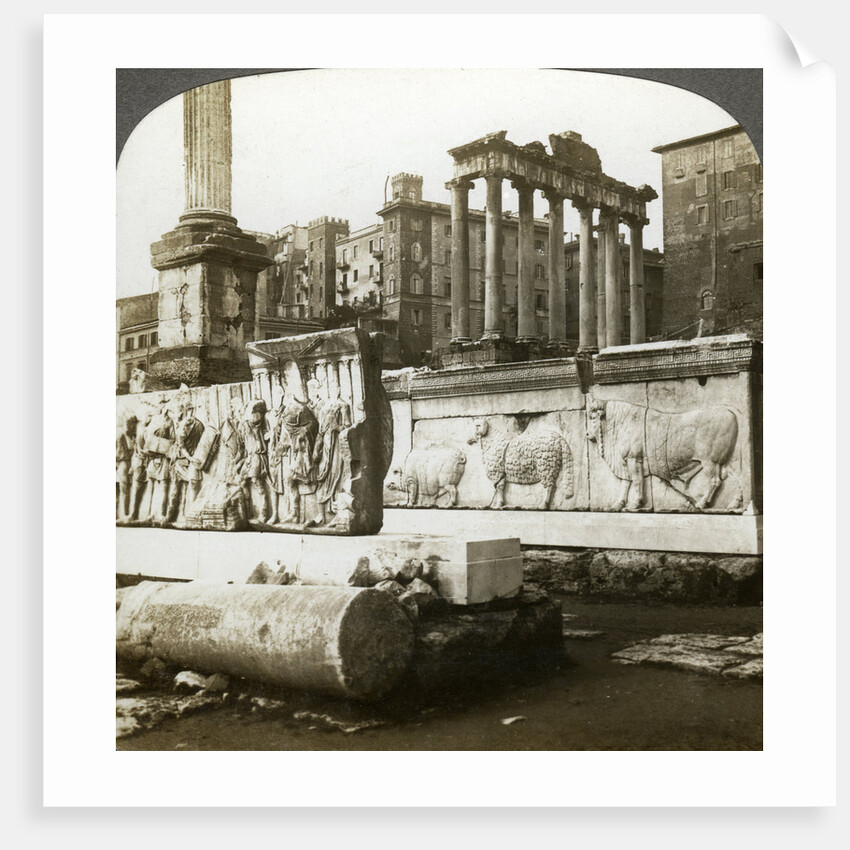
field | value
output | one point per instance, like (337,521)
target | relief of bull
(429,473)
(636,442)
(527,458)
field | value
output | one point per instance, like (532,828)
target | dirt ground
(589,702)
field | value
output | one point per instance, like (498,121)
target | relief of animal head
(595,415)
(480,427)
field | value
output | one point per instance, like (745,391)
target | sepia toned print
(423,483)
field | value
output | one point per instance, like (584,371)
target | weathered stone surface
(126,686)
(702,653)
(189,680)
(618,574)
(391,587)
(217,683)
(342,641)
(263,574)
(581,634)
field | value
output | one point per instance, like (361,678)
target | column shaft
(586,282)
(637,326)
(460,261)
(601,252)
(613,298)
(526,329)
(207,147)
(494,323)
(557,295)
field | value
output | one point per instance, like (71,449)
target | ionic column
(207,147)
(494,322)
(460,260)
(613,299)
(526,329)
(601,242)
(557,296)
(586,280)
(637,327)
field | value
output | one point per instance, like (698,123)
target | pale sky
(311,143)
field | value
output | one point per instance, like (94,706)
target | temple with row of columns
(572,172)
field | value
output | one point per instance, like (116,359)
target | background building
(713,205)
(136,322)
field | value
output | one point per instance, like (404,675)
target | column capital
(460,183)
(633,220)
(582,205)
(554,196)
(522,185)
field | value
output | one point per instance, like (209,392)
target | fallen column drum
(353,642)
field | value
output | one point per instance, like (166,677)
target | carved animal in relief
(528,458)
(429,473)
(636,442)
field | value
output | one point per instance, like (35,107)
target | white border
(81,766)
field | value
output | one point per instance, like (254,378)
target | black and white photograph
(439,418)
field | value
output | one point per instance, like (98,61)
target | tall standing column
(601,243)
(586,280)
(460,260)
(613,299)
(494,322)
(637,309)
(207,147)
(526,330)
(557,295)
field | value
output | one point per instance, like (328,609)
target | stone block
(481,581)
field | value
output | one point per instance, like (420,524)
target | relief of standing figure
(124,447)
(295,436)
(329,452)
(255,470)
(159,443)
(137,470)
(189,432)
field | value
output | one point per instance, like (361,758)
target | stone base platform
(467,571)
(706,533)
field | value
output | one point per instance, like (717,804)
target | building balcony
(342,288)
(343,264)
(378,253)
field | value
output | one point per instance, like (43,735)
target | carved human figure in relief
(636,442)
(329,455)
(138,473)
(295,436)
(124,447)
(255,473)
(526,458)
(160,436)
(186,475)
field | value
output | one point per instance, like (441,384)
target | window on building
(483,235)
(758,201)
(371,271)
(355,275)
(539,246)
(416,285)
(447,230)
(143,340)
(391,286)
(154,338)
(416,224)
(447,287)
(539,272)
(729,181)
(569,261)
(311,245)
(702,215)
(707,300)
(129,343)
(321,293)
(539,300)
(727,147)
(758,273)
(701,185)
(345,278)
(354,252)
(392,252)
(371,245)
(447,321)
(381,244)
(730,209)
(758,173)
(345,255)
(392,225)
(416,252)
(416,317)
(321,269)
(447,257)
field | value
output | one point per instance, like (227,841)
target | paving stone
(680,657)
(753,669)
(700,641)
(126,686)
